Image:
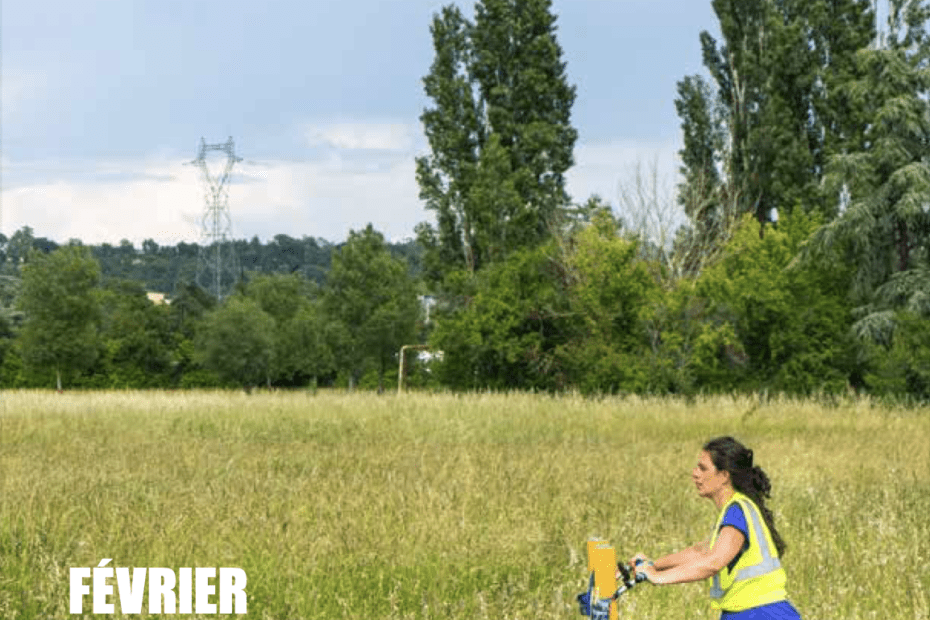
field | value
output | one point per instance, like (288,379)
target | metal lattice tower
(218,266)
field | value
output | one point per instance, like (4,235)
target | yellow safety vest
(757,578)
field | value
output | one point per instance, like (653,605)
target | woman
(742,559)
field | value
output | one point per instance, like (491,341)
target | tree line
(65,324)
(801,263)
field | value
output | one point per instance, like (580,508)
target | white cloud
(366,175)
(329,197)
(366,136)
(164,200)
(137,202)
(343,189)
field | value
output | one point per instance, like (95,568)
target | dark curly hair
(727,454)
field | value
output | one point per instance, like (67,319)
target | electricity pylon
(218,266)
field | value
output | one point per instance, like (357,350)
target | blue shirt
(734,517)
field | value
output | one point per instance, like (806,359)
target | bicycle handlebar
(600,609)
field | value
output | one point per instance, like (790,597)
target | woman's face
(707,478)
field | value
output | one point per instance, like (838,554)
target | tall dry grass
(444,506)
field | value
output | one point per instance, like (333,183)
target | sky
(104,104)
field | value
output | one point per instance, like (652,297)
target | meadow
(448,506)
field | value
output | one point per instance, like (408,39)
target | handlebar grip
(640,575)
(624,571)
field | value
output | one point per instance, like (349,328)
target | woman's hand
(637,564)
(645,568)
(650,572)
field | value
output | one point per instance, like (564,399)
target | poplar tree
(775,110)
(700,191)
(499,134)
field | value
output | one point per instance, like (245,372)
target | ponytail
(760,490)
(760,482)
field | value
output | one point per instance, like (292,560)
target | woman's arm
(697,566)
(684,556)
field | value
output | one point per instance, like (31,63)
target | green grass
(442,506)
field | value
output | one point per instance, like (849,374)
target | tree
(609,283)
(280,295)
(499,133)
(881,187)
(62,310)
(702,149)
(563,315)
(236,341)
(301,350)
(305,349)
(506,336)
(776,101)
(840,29)
(189,306)
(901,367)
(17,249)
(149,247)
(788,321)
(137,337)
(373,296)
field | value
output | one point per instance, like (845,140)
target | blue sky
(103,102)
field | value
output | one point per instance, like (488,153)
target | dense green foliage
(136,338)
(761,132)
(236,341)
(809,107)
(371,295)
(885,227)
(790,323)
(65,324)
(62,311)
(505,337)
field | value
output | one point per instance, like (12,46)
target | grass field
(452,507)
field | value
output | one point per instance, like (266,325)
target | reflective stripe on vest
(768,564)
